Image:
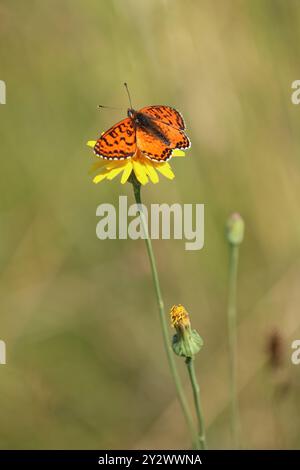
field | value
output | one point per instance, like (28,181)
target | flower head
(179,317)
(143,168)
(186,342)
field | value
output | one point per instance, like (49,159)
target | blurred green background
(85,361)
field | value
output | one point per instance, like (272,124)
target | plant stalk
(163,320)
(232,337)
(197,400)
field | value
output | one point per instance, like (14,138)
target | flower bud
(186,342)
(235,229)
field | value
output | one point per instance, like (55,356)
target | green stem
(196,392)
(162,316)
(232,336)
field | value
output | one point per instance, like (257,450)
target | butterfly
(154,130)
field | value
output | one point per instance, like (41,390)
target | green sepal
(187,343)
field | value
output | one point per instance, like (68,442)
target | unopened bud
(235,229)
(186,342)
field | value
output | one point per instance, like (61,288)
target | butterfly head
(137,118)
(131,113)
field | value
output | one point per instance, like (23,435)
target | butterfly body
(147,124)
(154,130)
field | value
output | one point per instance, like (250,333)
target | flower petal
(140,172)
(126,172)
(178,153)
(104,165)
(166,170)
(99,178)
(151,173)
(111,164)
(96,165)
(113,173)
(91,143)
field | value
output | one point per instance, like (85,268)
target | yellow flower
(144,168)
(179,317)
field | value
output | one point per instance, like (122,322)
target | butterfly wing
(157,142)
(165,114)
(118,143)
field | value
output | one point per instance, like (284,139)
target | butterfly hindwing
(157,148)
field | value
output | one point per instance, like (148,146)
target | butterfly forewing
(118,143)
(165,114)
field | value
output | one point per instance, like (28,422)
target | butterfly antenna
(126,86)
(107,107)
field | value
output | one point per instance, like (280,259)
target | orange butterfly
(155,130)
